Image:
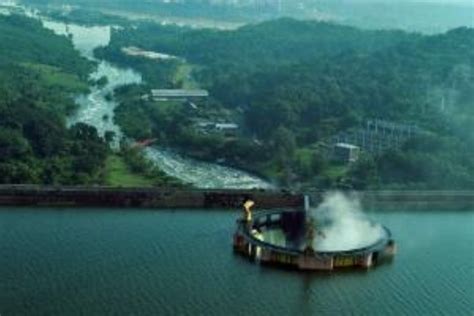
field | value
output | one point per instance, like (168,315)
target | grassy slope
(118,174)
(55,77)
(184,76)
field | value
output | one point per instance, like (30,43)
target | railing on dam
(98,196)
(465,197)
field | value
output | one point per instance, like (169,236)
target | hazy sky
(471,2)
(443,1)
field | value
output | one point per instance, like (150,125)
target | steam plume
(342,225)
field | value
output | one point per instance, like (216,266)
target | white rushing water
(8,3)
(203,174)
(96,110)
(8,6)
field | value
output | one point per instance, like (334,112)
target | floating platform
(249,243)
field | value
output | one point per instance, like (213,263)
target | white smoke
(341,225)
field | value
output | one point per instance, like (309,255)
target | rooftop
(177,93)
(345,145)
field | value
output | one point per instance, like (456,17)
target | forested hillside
(293,85)
(39,75)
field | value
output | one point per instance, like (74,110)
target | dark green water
(134,262)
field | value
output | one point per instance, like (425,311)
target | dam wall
(418,200)
(76,196)
(143,197)
(413,198)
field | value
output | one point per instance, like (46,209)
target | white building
(346,153)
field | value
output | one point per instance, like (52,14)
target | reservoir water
(146,262)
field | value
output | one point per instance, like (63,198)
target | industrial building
(378,136)
(346,153)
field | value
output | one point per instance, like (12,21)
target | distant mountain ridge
(422,16)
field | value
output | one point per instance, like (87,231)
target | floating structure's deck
(248,243)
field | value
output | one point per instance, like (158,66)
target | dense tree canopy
(39,75)
(306,81)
